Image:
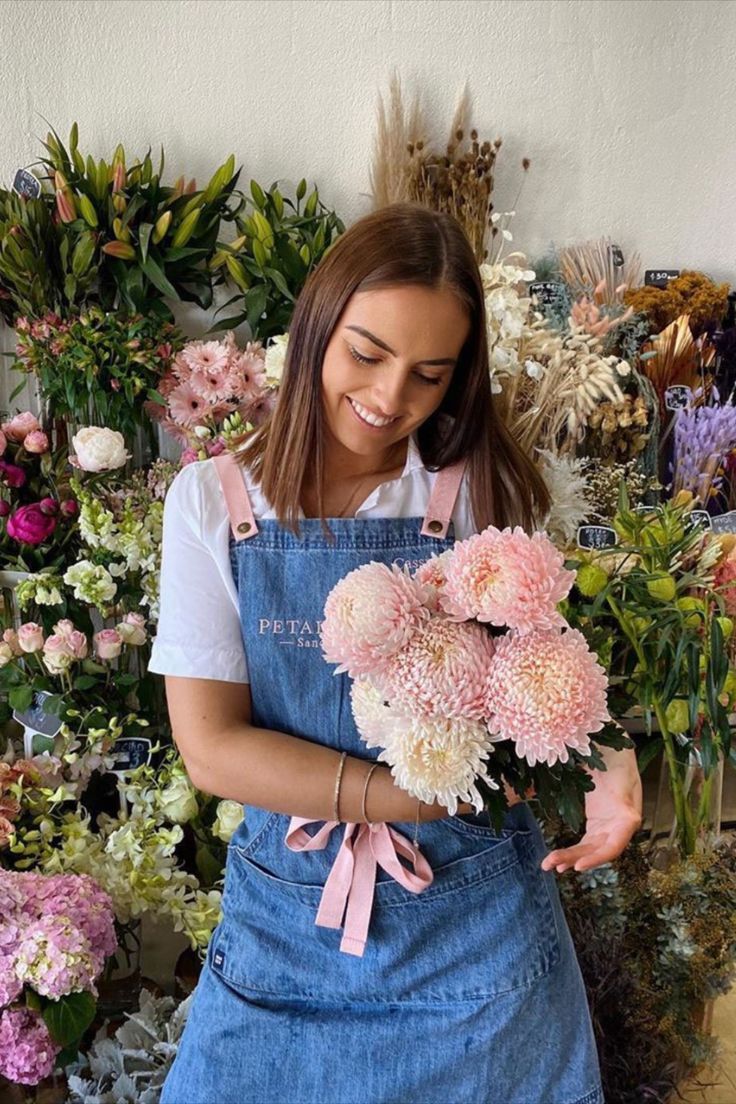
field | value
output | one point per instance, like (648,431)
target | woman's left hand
(613,812)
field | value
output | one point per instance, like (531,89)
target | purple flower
(704,435)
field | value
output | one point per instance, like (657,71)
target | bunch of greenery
(279,243)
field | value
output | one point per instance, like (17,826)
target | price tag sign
(724,523)
(39,726)
(26,184)
(700,517)
(660,277)
(130,752)
(547,291)
(596,536)
(617,256)
(677,397)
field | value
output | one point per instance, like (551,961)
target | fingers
(584,856)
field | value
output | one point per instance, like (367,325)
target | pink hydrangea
(507,578)
(546,692)
(55,958)
(10,984)
(27,1051)
(369,615)
(442,669)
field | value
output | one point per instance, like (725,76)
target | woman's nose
(388,395)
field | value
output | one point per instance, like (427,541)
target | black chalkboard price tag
(596,536)
(547,291)
(700,517)
(130,752)
(677,397)
(26,184)
(617,256)
(724,523)
(39,727)
(660,277)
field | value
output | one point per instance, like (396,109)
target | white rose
(98,448)
(177,801)
(275,357)
(229,816)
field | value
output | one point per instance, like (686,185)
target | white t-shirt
(198,631)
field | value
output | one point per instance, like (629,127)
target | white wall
(627,108)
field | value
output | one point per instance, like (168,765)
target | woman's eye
(432,380)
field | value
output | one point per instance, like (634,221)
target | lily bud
(65,205)
(162,225)
(122,233)
(191,187)
(118,177)
(119,202)
(119,249)
(87,208)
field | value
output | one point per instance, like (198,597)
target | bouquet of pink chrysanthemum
(55,933)
(466,673)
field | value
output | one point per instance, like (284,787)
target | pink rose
(6,653)
(69,507)
(132,629)
(108,643)
(20,425)
(57,654)
(10,637)
(76,640)
(30,637)
(3,442)
(36,441)
(11,474)
(30,525)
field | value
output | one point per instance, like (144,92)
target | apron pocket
(484,927)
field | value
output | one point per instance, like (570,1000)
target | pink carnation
(442,669)
(546,692)
(507,578)
(27,1051)
(369,615)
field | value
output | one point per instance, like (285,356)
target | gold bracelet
(336,811)
(416,824)
(365,790)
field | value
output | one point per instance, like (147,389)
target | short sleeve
(198,633)
(462,515)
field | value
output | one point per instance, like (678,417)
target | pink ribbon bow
(352,879)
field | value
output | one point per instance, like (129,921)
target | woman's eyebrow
(383,345)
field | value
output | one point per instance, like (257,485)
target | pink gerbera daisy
(247,376)
(206,356)
(187,406)
(546,692)
(369,615)
(507,578)
(180,367)
(211,383)
(442,669)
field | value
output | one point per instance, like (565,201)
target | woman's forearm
(291,775)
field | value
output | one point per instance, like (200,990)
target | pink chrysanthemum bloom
(439,759)
(442,669)
(432,575)
(27,1051)
(206,356)
(546,692)
(372,712)
(187,406)
(369,616)
(507,578)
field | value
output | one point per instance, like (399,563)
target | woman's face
(389,364)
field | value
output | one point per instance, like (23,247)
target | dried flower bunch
(603,482)
(592,265)
(618,431)
(458,181)
(691,293)
(675,357)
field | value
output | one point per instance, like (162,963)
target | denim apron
(339,974)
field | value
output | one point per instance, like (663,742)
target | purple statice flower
(704,435)
(27,1051)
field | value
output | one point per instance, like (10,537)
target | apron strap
(442,499)
(237,500)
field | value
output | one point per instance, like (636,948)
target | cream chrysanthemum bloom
(507,578)
(439,759)
(547,693)
(443,669)
(373,714)
(369,616)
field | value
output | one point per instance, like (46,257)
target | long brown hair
(403,243)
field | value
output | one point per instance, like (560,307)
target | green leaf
(280,282)
(20,697)
(648,753)
(258,195)
(68,1018)
(84,682)
(156,275)
(144,236)
(17,390)
(155,396)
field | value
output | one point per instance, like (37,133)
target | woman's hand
(613,812)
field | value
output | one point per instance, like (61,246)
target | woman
(330,979)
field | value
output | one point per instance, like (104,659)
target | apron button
(243,527)
(435,526)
